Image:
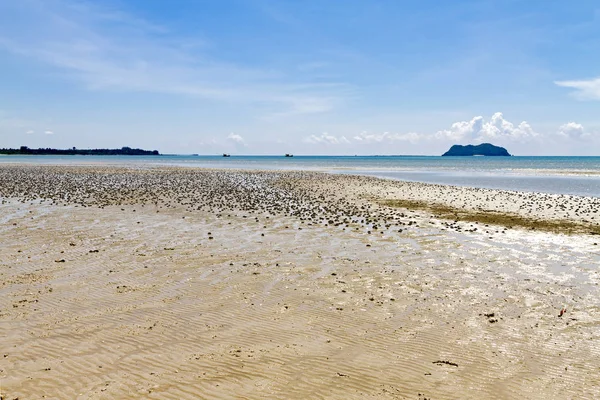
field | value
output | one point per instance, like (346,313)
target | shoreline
(575,180)
(182,283)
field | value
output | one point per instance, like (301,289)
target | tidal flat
(185,283)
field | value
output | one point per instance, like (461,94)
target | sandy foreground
(155,283)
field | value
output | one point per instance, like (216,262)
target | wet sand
(184,284)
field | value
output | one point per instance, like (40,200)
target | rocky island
(484,149)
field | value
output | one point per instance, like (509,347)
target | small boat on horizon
(226,155)
(289,155)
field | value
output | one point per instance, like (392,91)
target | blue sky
(306,77)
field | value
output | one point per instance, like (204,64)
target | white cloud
(327,139)
(236,139)
(572,130)
(584,89)
(49,132)
(29,132)
(459,130)
(496,128)
(477,129)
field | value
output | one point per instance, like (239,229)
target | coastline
(158,282)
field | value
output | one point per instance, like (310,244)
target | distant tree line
(124,151)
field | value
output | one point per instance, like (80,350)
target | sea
(555,175)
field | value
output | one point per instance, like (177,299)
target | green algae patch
(492,217)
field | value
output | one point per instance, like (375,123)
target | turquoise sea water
(566,175)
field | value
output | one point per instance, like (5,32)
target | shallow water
(557,184)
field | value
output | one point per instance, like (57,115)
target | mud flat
(184,284)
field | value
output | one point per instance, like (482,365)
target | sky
(301,76)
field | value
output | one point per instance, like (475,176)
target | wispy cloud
(387,137)
(11,121)
(314,65)
(363,138)
(326,138)
(108,49)
(49,132)
(584,89)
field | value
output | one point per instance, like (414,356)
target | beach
(156,282)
